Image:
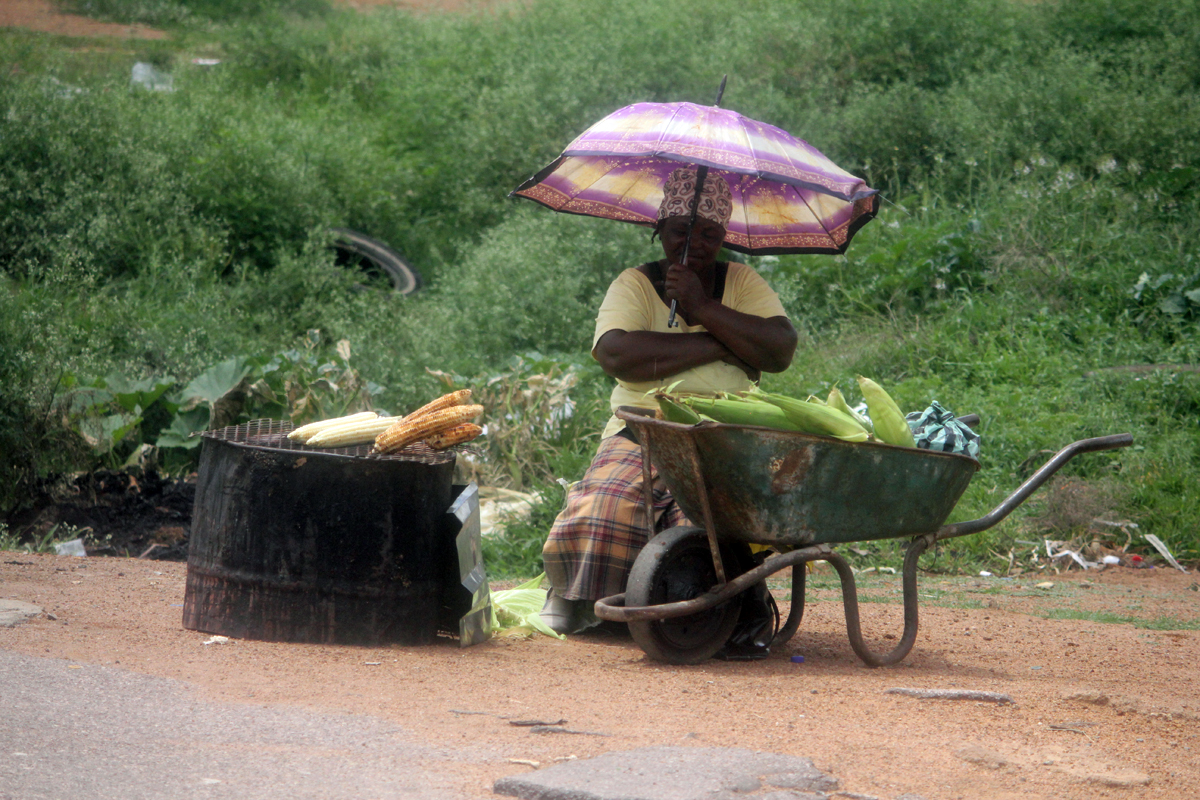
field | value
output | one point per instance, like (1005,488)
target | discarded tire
(375,258)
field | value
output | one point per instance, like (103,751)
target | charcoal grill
(271,434)
(326,545)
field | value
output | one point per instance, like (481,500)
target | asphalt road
(86,731)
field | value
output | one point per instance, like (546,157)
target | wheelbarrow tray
(772,487)
(804,492)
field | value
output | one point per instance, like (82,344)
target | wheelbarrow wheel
(677,565)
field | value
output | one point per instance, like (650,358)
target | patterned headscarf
(716,201)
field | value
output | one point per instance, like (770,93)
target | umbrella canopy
(787,196)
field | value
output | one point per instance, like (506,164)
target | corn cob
(817,418)
(445,401)
(889,422)
(742,412)
(352,433)
(837,401)
(676,412)
(304,432)
(410,429)
(459,434)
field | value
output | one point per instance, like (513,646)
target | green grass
(1037,229)
(1108,618)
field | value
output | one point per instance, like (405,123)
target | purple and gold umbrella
(787,196)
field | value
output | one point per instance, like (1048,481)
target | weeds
(1037,232)
(42,543)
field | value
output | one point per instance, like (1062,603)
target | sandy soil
(1101,709)
(42,15)
(424,5)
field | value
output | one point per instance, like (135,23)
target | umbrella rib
(658,145)
(817,217)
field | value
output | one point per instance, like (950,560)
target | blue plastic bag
(936,428)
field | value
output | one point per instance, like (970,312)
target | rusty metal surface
(761,481)
(271,434)
(706,516)
(789,489)
(298,545)
(614,608)
(1034,481)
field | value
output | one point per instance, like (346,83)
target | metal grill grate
(271,434)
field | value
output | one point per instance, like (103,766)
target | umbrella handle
(701,174)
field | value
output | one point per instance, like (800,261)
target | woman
(731,329)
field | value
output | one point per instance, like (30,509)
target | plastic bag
(71,548)
(936,428)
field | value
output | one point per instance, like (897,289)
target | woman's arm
(640,356)
(765,344)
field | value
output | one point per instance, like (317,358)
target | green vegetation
(1155,624)
(1039,160)
(45,543)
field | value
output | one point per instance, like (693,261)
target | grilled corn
(459,434)
(353,433)
(445,401)
(305,432)
(414,428)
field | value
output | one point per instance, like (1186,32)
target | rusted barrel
(298,545)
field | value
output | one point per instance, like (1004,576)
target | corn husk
(817,418)
(518,610)
(836,400)
(741,412)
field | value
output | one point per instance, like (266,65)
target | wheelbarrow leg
(850,603)
(796,613)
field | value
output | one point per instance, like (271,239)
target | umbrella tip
(721,90)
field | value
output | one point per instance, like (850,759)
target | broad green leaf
(179,432)
(140,393)
(212,384)
(1173,304)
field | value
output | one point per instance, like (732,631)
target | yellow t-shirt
(632,304)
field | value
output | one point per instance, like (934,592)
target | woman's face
(707,238)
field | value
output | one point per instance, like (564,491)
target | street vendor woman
(731,329)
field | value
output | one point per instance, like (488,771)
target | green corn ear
(741,412)
(890,425)
(817,418)
(837,401)
(676,412)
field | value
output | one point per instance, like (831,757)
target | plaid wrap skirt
(594,541)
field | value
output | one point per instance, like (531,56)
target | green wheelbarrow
(800,494)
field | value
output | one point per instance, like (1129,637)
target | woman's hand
(684,287)
(751,373)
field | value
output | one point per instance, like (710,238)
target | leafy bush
(1036,229)
(178,12)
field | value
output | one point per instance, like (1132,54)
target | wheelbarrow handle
(1034,481)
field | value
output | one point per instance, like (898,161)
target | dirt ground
(1101,709)
(44,16)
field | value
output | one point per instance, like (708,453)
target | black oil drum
(296,544)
